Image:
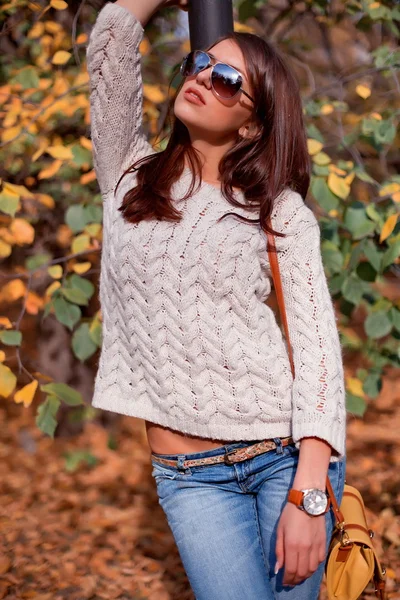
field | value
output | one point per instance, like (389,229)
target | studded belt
(234,456)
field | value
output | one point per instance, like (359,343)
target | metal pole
(208,20)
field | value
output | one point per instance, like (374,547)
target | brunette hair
(277,157)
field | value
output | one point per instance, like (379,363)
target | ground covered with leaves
(80,519)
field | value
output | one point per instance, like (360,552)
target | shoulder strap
(276,277)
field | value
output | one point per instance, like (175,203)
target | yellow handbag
(351,559)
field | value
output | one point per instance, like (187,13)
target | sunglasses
(225,80)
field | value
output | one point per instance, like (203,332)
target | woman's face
(218,119)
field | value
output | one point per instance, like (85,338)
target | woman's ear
(250,131)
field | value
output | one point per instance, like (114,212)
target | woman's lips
(193,97)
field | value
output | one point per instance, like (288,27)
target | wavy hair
(262,166)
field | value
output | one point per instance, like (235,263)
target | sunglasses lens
(226,81)
(193,63)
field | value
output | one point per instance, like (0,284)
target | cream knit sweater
(188,341)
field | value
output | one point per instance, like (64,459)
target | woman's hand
(182,4)
(300,545)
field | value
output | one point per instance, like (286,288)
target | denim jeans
(224,520)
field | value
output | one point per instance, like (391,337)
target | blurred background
(79,514)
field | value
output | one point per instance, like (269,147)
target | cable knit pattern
(188,341)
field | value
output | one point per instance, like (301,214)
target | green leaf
(27,77)
(8,203)
(373,384)
(75,458)
(355,404)
(64,392)
(377,324)
(394,316)
(323,195)
(75,218)
(82,344)
(353,289)
(391,254)
(75,296)
(82,284)
(11,337)
(46,413)
(68,314)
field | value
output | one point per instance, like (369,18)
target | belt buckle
(228,461)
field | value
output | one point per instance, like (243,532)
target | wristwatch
(313,501)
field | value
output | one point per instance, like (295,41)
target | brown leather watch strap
(295,496)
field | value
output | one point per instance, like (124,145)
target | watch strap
(296,496)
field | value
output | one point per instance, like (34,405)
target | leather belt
(229,458)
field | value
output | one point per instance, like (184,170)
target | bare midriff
(164,440)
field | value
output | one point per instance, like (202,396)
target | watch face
(315,502)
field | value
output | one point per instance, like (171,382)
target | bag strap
(273,260)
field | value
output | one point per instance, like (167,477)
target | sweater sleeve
(318,399)
(115,81)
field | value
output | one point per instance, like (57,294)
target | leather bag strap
(276,276)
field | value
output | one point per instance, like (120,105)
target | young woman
(240,448)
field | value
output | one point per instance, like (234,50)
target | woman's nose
(204,77)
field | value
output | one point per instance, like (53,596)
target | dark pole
(208,20)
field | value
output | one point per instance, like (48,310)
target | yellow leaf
(8,381)
(2,356)
(314,146)
(52,27)
(321,159)
(81,268)
(388,227)
(338,186)
(58,4)
(55,271)
(376,116)
(33,303)
(363,91)
(81,242)
(48,172)
(22,231)
(26,394)
(327,109)
(335,169)
(18,190)
(46,200)
(82,38)
(5,322)
(61,57)
(85,143)
(60,152)
(10,133)
(349,178)
(13,290)
(88,177)
(374,5)
(153,93)
(5,249)
(93,229)
(390,188)
(36,31)
(52,288)
(333,212)
(354,386)
(396,197)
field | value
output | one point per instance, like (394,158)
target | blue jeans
(224,520)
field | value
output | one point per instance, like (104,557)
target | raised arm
(116,94)
(319,388)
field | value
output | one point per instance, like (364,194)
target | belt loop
(279,447)
(181,459)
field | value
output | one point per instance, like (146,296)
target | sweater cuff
(318,425)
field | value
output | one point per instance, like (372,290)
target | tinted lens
(193,63)
(226,81)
